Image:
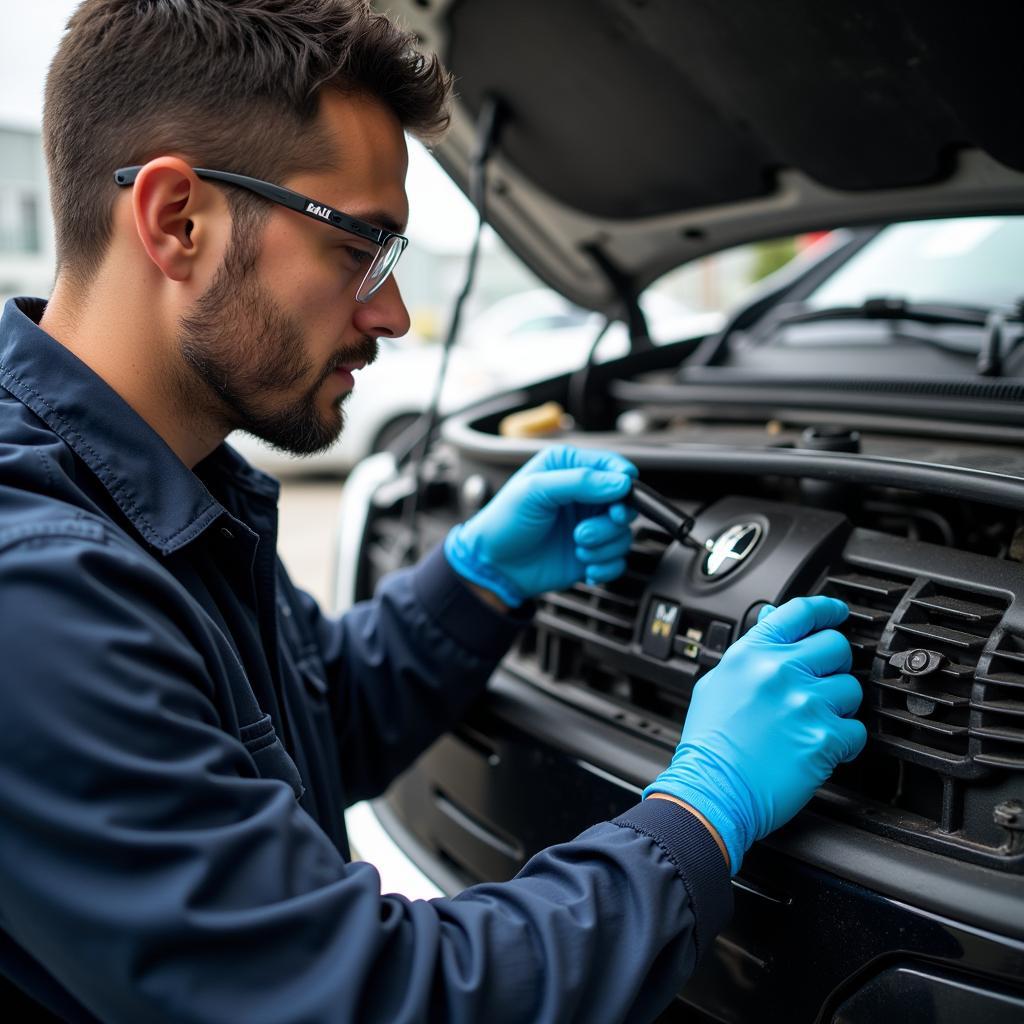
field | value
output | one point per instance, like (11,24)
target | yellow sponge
(542,419)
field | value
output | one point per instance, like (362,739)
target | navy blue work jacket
(181,729)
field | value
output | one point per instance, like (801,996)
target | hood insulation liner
(630,109)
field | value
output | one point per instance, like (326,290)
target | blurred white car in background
(537,334)
(519,339)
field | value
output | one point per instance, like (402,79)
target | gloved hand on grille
(558,520)
(768,724)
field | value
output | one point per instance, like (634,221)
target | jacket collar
(164,500)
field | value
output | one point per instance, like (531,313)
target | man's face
(276,336)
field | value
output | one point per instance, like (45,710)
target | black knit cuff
(686,842)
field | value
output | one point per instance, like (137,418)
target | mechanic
(182,727)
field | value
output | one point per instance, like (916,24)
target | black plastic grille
(946,745)
(604,614)
(582,647)
(871,599)
(997,719)
(930,713)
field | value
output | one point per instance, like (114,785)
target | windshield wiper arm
(991,353)
(891,309)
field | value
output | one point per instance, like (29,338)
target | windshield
(971,260)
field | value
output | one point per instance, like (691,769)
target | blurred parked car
(537,334)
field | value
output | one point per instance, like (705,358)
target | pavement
(308,517)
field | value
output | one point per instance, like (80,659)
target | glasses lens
(381,268)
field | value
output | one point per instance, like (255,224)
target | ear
(174,215)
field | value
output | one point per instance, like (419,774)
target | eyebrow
(379,218)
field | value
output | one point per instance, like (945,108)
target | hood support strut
(588,390)
(488,128)
(622,285)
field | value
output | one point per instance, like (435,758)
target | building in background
(26,228)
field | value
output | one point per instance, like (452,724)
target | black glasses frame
(387,240)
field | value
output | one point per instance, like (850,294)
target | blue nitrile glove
(768,724)
(557,520)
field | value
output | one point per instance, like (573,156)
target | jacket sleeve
(153,874)
(403,668)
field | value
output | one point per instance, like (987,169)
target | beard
(246,352)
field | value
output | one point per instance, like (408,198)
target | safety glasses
(390,244)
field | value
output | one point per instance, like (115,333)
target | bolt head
(1009,814)
(917,660)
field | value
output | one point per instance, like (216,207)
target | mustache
(367,350)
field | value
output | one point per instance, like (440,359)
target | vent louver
(607,613)
(582,643)
(997,721)
(871,599)
(925,676)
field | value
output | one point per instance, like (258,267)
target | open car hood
(640,134)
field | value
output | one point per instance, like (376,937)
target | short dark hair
(231,84)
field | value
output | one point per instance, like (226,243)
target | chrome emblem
(729,548)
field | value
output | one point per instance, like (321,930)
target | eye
(355,258)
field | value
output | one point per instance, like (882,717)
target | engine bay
(920,535)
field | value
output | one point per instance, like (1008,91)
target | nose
(385,315)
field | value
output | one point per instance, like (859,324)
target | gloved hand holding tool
(768,724)
(559,519)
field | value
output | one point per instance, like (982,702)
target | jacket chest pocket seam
(311,671)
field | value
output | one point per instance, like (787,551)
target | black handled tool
(647,501)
